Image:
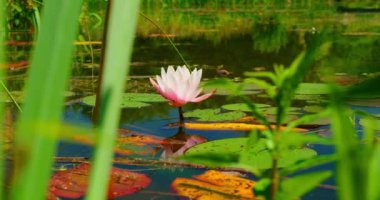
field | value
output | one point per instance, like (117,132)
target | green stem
(181,118)
(167,37)
(95,112)
(274,178)
(10,95)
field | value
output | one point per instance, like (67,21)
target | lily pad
(366,102)
(307,97)
(243,107)
(316,123)
(291,111)
(214,115)
(313,108)
(260,156)
(134,104)
(233,126)
(214,185)
(313,88)
(130,100)
(226,92)
(143,97)
(73,183)
(288,118)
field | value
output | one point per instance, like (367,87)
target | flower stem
(275,179)
(181,119)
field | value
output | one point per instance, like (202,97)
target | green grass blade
(45,89)
(2,135)
(350,173)
(116,66)
(374,175)
(167,37)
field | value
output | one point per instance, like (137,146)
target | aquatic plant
(281,86)
(180,87)
(358,157)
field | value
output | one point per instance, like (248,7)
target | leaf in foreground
(72,183)
(295,187)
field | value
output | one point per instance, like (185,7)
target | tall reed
(120,35)
(45,86)
(2,135)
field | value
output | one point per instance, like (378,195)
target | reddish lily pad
(214,185)
(131,142)
(72,183)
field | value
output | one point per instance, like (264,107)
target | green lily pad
(143,97)
(243,107)
(288,118)
(134,104)
(318,122)
(226,92)
(366,102)
(313,108)
(90,100)
(259,158)
(291,111)
(307,97)
(313,88)
(214,115)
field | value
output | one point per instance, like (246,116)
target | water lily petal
(203,97)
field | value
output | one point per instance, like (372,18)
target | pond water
(237,38)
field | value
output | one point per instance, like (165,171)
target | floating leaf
(288,118)
(270,118)
(259,158)
(131,100)
(126,146)
(130,142)
(273,110)
(313,108)
(232,126)
(313,88)
(214,115)
(72,183)
(316,123)
(143,97)
(243,107)
(90,100)
(214,185)
(307,97)
(366,102)
(224,91)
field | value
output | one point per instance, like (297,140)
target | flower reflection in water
(171,150)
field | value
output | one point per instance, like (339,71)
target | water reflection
(269,34)
(172,150)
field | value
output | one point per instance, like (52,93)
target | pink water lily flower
(180,86)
